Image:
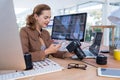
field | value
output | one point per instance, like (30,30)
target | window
(21,14)
(94,17)
(117,30)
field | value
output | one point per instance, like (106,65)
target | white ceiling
(56,4)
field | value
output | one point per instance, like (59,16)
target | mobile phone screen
(113,72)
(109,72)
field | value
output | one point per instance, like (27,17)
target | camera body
(74,46)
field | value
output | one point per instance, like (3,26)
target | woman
(36,40)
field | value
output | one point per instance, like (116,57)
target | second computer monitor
(69,27)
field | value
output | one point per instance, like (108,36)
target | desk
(73,74)
(110,61)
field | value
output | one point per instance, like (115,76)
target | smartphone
(109,72)
(58,42)
(55,42)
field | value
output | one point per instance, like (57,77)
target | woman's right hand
(53,48)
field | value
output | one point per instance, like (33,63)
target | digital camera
(74,46)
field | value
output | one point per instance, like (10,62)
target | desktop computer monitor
(69,27)
(11,54)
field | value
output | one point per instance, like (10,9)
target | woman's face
(43,19)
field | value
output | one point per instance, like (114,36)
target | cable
(86,63)
(89,64)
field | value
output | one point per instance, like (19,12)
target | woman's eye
(45,17)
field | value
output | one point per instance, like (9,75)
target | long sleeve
(59,54)
(25,40)
(31,44)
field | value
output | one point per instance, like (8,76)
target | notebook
(88,54)
(93,50)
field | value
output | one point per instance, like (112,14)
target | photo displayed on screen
(69,27)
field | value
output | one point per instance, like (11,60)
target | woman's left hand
(68,55)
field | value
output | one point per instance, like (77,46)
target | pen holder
(111,49)
(28,61)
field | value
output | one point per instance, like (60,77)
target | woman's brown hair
(37,10)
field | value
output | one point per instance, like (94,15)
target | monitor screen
(69,27)
(11,54)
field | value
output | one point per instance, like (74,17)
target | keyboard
(88,53)
(39,68)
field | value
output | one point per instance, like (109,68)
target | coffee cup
(116,54)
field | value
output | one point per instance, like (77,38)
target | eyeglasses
(74,65)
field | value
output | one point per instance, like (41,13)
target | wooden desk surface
(111,63)
(72,74)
